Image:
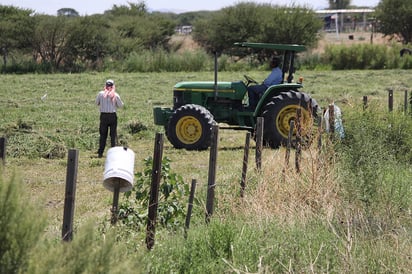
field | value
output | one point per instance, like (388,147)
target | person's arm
(270,79)
(119,102)
(97,101)
(274,78)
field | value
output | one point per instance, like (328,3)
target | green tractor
(197,106)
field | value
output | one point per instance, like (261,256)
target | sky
(89,7)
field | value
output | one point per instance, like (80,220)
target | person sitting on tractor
(274,78)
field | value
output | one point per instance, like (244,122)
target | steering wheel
(249,80)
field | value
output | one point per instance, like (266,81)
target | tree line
(68,42)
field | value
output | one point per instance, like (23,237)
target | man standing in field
(108,101)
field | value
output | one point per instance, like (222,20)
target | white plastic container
(338,121)
(119,169)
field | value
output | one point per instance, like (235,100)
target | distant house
(185,30)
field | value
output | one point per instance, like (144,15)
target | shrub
(172,203)
(160,60)
(364,56)
(21,225)
(375,157)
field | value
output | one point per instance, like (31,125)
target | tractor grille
(178,99)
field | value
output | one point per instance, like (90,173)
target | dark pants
(254,93)
(107,120)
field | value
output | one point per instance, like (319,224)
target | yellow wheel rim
(188,130)
(287,114)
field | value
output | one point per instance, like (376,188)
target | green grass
(348,210)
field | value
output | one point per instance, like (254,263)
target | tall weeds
(365,56)
(162,61)
(20,226)
(375,160)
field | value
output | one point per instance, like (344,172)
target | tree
(339,4)
(67,12)
(134,9)
(394,19)
(229,25)
(16,28)
(88,40)
(135,29)
(50,40)
(65,42)
(290,25)
(257,23)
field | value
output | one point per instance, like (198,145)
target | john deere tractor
(197,106)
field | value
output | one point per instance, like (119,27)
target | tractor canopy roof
(284,47)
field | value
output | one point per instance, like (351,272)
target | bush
(365,56)
(21,226)
(172,198)
(376,157)
(162,61)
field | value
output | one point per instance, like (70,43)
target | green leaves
(257,23)
(172,198)
(395,19)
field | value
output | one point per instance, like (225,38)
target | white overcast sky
(89,7)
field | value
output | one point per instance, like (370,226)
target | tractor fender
(273,91)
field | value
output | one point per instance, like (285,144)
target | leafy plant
(375,156)
(20,226)
(172,194)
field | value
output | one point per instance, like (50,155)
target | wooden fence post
(245,164)
(259,142)
(289,144)
(3,142)
(390,99)
(320,131)
(298,150)
(190,206)
(410,103)
(154,191)
(71,178)
(405,100)
(365,102)
(332,120)
(288,147)
(115,206)
(211,183)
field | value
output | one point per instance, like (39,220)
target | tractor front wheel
(190,127)
(281,110)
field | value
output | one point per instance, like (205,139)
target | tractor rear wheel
(281,110)
(190,127)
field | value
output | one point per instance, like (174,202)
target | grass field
(39,132)
(68,117)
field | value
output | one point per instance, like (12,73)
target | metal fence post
(3,142)
(71,178)
(211,183)
(154,191)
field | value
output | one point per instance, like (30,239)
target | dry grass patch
(279,192)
